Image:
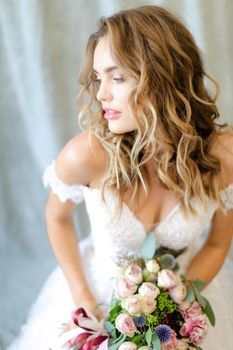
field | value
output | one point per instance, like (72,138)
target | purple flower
(139,321)
(163,332)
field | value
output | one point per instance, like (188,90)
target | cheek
(123,94)
(124,98)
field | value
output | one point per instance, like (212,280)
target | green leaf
(113,345)
(109,327)
(137,338)
(199,285)
(149,337)
(148,246)
(200,299)
(209,313)
(156,342)
(114,312)
(190,294)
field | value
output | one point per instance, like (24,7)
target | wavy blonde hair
(174,111)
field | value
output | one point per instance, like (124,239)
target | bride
(151,158)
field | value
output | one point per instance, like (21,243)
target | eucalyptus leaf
(149,337)
(209,313)
(114,345)
(199,285)
(156,342)
(148,246)
(190,294)
(200,298)
(108,326)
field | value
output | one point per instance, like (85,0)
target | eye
(119,79)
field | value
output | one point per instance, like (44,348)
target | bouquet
(153,307)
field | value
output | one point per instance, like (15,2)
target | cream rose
(124,287)
(152,266)
(167,279)
(124,323)
(133,304)
(127,345)
(149,276)
(134,273)
(148,305)
(148,289)
(178,293)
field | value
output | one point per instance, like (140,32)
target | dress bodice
(124,237)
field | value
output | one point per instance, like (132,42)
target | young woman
(151,158)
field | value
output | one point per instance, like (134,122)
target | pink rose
(133,304)
(195,328)
(148,305)
(127,345)
(193,310)
(167,279)
(124,323)
(134,273)
(171,343)
(182,344)
(178,293)
(148,289)
(124,287)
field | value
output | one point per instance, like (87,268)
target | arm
(74,165)
(64,244)
(210,258)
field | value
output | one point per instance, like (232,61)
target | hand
(83,298)
(88,305)
(91,306)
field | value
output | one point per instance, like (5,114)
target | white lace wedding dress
(106,244)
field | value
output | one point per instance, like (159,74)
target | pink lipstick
(111,114)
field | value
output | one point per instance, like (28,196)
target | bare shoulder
(223,150)
(80,161)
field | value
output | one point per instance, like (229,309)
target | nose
(103,93)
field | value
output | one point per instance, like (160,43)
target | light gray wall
(42,42)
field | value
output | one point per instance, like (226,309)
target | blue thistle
(140,321)
(163,332)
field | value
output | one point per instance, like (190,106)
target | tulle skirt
(54,305)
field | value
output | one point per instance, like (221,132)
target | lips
(111,114)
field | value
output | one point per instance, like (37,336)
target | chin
(117,129)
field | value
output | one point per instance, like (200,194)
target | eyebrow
(108,69)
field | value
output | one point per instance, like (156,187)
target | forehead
(102,55)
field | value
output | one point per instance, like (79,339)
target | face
(115,87)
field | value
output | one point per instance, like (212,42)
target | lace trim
(63,191)
(227,197)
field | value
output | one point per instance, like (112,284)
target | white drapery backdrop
(41,46)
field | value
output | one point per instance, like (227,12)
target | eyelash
(117,80)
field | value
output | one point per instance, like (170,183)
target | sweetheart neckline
(155,225)
(159,223)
